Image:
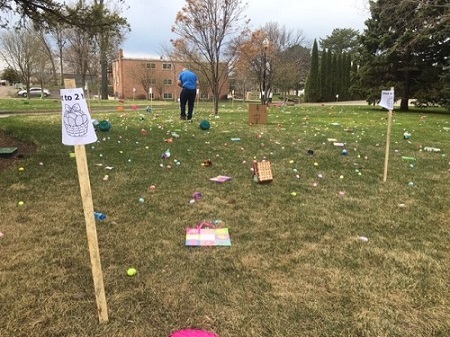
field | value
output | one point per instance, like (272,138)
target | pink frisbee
(193,333)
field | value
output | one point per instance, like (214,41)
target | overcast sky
(151,20)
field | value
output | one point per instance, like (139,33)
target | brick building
(137,78)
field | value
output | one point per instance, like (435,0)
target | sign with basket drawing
(77,127)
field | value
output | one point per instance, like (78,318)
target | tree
(275,57)
(284,67)
(56,32)
(109,34)
(105,27)
(44,65)
(292,68)
(312,89)
(210,31)
(145,75)
(243,78)
(254,55)
(79,51)
(22,50)
(406,45)
(325,78)
(46,13)
(10,75)
(341,40)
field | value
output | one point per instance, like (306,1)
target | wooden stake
(91,230)
(388,141)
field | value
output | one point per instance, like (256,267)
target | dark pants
(187,96)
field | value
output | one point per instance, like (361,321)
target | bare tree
(77,51)
(255,53)
(22,50)
(44,65)
(209,32)
(56,32)
(264,52)
(108,37)
(143,74)
(47,54)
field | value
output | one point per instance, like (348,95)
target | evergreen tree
(346,82)
(312,89)
(323,76)
(406,45)
(329,88)
(334,77)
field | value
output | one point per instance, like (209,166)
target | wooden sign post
(88,208)
(387,101)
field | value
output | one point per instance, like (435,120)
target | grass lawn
(325,249)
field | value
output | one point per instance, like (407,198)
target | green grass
(296,266)
(53,104)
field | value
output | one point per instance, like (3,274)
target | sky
(151,20)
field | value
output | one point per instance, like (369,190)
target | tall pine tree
(406,45)
(312,88)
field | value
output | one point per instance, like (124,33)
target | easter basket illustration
(75,121)
(207,234)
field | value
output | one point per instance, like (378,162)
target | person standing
(187,80)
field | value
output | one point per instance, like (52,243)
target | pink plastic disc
(193,333)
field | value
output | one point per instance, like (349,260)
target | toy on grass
(131,271)
(166,154)
(100,216)
(104,126)
(262,171)
(204,125)
(95,123)
(193,333)
(207,163)
(197,195)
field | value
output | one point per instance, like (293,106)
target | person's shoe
(183,118)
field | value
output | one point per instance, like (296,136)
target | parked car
(35,92)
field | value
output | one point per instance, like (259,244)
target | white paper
(387,99)
(77,127)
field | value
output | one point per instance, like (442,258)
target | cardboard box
(257,114)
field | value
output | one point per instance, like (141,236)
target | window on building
(150,65)
(167,82)
(167,66)
(167,95)
(151,81)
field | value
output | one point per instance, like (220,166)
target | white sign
(77,127)
(387,99)
(150,90)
